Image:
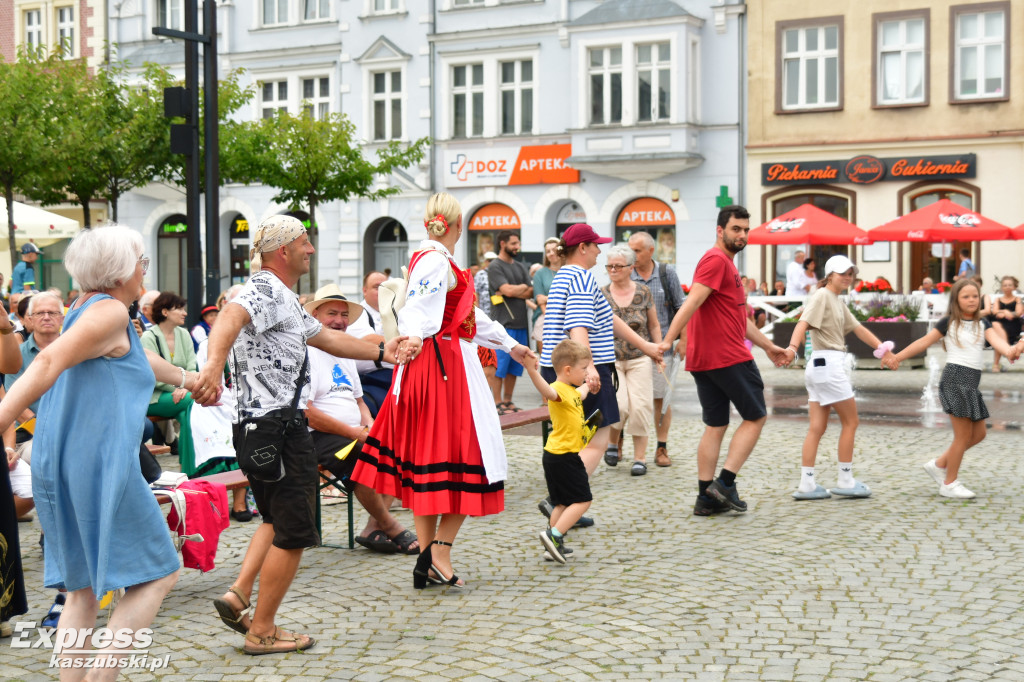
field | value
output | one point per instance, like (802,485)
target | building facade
(873,109)
(622,114)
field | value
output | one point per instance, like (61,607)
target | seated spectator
(207,316)
(376,380)
(928,286)
(169,339)
(146,307)
(22,322)
(338,416)
(780,288)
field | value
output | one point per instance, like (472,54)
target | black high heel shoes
(450,582)
(421,577)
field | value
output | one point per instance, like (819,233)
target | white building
(625,114)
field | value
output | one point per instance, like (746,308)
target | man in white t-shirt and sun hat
(338,416)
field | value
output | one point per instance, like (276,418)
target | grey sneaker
(727,494)
(566,551)
(709,506)
(545,507)
(553,545)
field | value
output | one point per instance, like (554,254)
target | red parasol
(807,224)
(1017,232)
(943,221)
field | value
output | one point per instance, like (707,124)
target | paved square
(904,585)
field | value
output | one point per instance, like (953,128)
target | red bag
(206,515)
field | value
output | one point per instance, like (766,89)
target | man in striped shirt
(578,310)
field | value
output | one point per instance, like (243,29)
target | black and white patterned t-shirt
(270,349)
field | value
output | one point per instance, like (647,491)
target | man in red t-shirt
(721,364)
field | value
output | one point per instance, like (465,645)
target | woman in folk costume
(436,442)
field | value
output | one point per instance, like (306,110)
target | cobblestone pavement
(904,585)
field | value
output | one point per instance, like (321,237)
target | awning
(31,223)
(646,212)
(495,217)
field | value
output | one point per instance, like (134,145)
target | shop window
(485,225)
(836,205)
(238,238)
(172,255)
(654,217)
(926,259)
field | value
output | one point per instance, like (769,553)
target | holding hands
(780,356)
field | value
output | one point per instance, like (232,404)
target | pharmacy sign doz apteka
(865,170)
(532,165)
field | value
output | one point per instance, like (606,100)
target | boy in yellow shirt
(568,483)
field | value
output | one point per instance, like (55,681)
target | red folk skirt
(423,447)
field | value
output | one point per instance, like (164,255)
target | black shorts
(567,479)
(603,400)
(739,384)
(326,445)
(290,504)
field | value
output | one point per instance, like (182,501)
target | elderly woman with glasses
(633,303)
(104,529)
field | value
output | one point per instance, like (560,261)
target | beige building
(872,109)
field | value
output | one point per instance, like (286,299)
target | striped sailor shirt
(574,300)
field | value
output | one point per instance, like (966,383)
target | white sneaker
(955,490)
(937,474)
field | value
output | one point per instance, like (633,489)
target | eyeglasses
(46,313)
(616,268)
(144,262)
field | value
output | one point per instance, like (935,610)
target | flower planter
(900,333)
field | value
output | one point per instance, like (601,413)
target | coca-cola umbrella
(941,222)
(808,224)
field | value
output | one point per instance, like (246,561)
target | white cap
(839,264)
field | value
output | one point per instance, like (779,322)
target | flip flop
(858,490)
(403,541)
(818,493)
(228,614)
(378,541)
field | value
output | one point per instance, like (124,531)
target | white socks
(807,482)
(845,475)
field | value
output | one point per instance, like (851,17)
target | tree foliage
(311,161)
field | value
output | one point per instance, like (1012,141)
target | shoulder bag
(261,447)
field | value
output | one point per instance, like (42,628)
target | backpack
(670,300)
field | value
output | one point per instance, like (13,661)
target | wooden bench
(235,479)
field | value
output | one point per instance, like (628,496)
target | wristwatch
(380,357)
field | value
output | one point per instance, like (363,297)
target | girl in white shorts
(965,332)
(828,384)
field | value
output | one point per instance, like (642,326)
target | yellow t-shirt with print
(566,420)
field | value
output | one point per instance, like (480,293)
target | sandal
(511,407)
(228,614)
(379,542)
(405,541)
(453,581)
(502,409)
(258,646)
(638,469)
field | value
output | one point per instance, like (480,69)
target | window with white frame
(466,3)
(386,6)
(273,98)
(317,9)
(171,14)
(516,87)
(901,61)
(66,30)
(810,67)
(387,105)
(316,97)
(605,71)
(653,82)
(468,100)
(34,29)
(980,54)
(275,12)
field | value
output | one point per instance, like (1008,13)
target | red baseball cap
(581,233)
